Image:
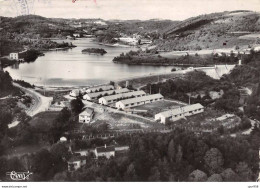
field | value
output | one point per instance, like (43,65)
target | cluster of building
(79,157)
(123,97)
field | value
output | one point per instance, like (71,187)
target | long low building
(129,103)
(93,96)
(99,88)
(178,113)
(114,98)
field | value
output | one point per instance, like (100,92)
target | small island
(94,51)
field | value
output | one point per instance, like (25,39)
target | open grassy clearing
(159,106)
(120,121)
(207,120)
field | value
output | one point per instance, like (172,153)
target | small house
(14,56)
(63,139)
(86,116)
(105,151)
(76,162)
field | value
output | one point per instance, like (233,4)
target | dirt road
(40,103)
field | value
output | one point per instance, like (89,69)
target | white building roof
(109,92)
(140,99)
(121,95)
(181,110)
(104,87)
(87,112)
(75,91)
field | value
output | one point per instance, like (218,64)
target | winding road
(40,102)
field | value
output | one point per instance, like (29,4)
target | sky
(123,9)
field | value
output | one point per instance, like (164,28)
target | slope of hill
(217,30)
(27,32)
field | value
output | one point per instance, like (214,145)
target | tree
(60,177)
(59,151)
(76,105)
(198,176)
(214,160)
(179,154)
(130,174)
(215,178)
(244,171)
(221,129)
(5,118)
(60,124)
(155,175)
(42,165)
(171,150)
(229,175)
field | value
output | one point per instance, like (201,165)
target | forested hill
(248,75)
(211,31)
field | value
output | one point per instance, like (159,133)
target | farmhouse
(76,162)
(100,88)
(128,103)
(114,98)
(178,113)
(86,116)
(105,151)
(14,56)
(93,96)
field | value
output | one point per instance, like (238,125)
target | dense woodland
(178,156)
(152,57)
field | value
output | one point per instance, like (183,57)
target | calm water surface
(73,68)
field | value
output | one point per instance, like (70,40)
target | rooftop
(121,95)
(104,87)
(76,158)
(124,90)
(140,99)
(180,110)
(105,148)
(87,112)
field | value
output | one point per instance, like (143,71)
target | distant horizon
(175,10)
(151,19)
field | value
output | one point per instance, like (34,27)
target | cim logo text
(19,176)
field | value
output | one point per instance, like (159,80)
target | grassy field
(206,120)
(160,106)
(122,121)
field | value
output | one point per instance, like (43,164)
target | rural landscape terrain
(198,122)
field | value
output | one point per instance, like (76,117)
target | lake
(73,68)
